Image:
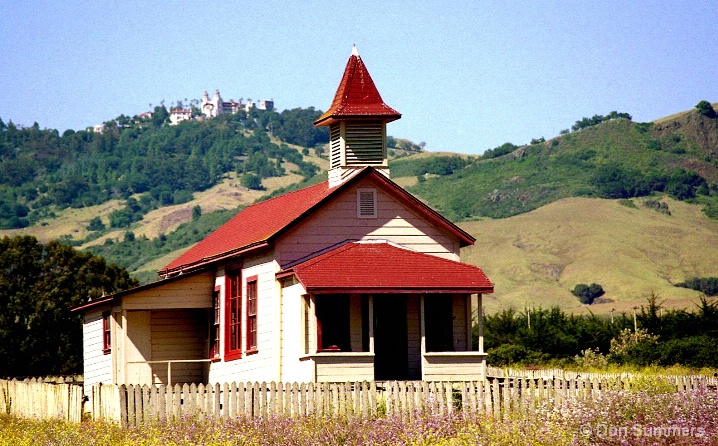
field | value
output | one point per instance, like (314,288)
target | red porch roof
(381,267)
(357,96)
(257,225)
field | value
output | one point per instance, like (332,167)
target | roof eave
(95,303)
(335,118)
(207,261)
(399,290)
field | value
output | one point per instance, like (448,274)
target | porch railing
(169,363)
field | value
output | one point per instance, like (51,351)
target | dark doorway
(391,361)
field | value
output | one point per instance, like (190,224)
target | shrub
(587,293)
(507,354)
(634,347)
(592,359)
(694,351)
(658,206)
(96,224)
(627,203)
(251,181)
(706,109)
(706,285)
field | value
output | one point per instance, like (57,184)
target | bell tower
(357,122)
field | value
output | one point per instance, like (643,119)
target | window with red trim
(233,316)
(252,291)
(214,326)
(106,332)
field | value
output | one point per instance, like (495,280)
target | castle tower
(217,100)
(357,122)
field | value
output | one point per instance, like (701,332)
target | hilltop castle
(216,106)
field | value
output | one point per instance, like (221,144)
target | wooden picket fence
(136,405)
(34,398)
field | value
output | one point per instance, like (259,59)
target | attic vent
(366,203)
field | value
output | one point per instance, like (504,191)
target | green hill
(630,206)
(616,158)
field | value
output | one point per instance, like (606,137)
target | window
(233,315)
(106,332)
(214,326)
(366,203)
(252,314)
(333,323)
(438,319)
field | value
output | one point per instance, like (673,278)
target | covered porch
(376,311)
(159,331)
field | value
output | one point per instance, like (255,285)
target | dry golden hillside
(536,258)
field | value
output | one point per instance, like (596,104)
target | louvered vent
(366,203)
(335,146)
(364,144)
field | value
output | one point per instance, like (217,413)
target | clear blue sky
(466,75)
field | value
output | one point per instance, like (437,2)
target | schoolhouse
(351,279)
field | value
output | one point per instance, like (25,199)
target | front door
(390,338)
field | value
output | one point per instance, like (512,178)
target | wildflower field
(651,416)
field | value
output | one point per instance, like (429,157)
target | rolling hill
(547,216)
(536,258)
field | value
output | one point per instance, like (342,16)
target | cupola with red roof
(357,122)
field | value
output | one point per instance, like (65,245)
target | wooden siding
(355,323)
(413,327)
(138,347)
(265,363)
(337,222)
(294,368)
(453,366)
(459,322)
(97,365)
(179,334)
(193,292)
(342,367)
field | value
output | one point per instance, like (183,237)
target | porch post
(122,379)
(312,341)
(371,323)
(480,315)
(468,321)
(422,324)
(422,333)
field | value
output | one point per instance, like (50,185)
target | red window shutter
(252,297)
(233,315)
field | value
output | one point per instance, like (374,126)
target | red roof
(381,267)
(252,226)
(257,225)
(357,96)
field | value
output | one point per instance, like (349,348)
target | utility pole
(635,321)
(528,316)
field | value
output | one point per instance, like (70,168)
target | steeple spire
(357,122)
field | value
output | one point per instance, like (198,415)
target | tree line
(39,285)
(41,170)
(656,336)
